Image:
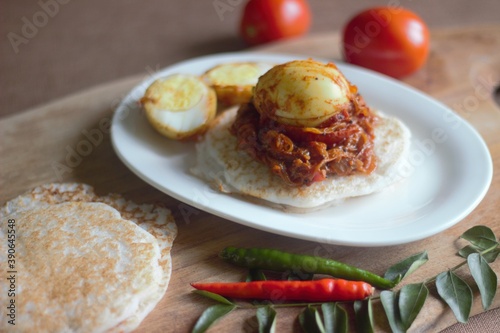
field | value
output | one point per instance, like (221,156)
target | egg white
(180,105)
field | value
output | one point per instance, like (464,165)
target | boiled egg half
(302,93)
(179,106)
(234,82)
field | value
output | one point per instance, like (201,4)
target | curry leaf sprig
(400,306)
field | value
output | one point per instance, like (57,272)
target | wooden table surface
(463,71)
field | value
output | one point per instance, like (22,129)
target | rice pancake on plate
(232,170)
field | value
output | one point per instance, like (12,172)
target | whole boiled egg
(302,93)
(179,106)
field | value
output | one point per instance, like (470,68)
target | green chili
(275,260)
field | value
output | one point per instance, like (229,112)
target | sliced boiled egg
(302,93)
(234,82)
(179,106)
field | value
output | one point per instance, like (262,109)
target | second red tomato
(393,41)
(265,21)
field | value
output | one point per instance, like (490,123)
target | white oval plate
(448,173)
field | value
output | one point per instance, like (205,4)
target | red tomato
(268,20)
(390,40)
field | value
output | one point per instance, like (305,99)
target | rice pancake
(86,262)
(233,171)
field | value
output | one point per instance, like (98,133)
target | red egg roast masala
(337,140)
(305,141)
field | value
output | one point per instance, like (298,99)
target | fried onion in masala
(340,146)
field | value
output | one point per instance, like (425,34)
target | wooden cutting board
(463,71)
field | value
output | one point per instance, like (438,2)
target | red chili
(324,290)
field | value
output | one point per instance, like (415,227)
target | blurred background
(79,44)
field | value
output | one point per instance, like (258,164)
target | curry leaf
(210,316)
(469,249)
(456,293)
(481,237)
(213,296)
(485,278)
(266,316)
(389,301)
(401,307)
(364,316)
(411,300)
(404,268)
(255,275)
(335,318)
(310,320)
(300,276)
